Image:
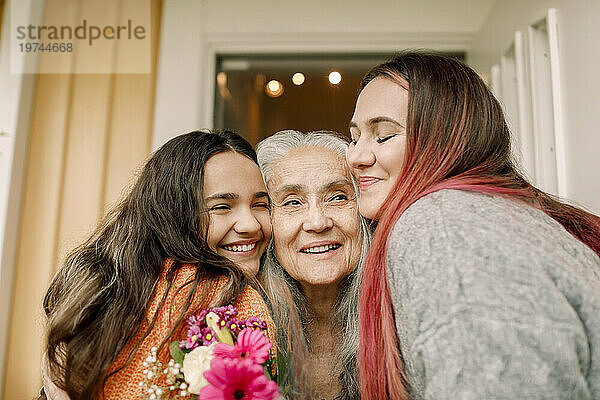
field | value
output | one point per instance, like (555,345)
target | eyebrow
(301,188)
(376,120)
(289,188)
(222,196)
(338,183)
(233,196)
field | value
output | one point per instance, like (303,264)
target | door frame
(188,56)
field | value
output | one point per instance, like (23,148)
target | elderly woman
(312,270)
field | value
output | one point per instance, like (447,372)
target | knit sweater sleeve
(474,319)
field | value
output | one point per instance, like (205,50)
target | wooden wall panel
(85,156)
(130,136)
(82,185)
(2,6)
(89,134)
(36,253)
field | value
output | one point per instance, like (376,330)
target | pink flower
(251,344)
(234,379)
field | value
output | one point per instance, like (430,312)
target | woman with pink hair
(477,285)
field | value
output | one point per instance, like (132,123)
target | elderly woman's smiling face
(316,225)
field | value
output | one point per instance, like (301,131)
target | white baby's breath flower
(195,364)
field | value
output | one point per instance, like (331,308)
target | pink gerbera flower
(235,380)
(251,344)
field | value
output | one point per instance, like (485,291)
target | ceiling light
(335,77)
(274,88)
(298,78)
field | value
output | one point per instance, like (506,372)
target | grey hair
(288,304)
(278,145)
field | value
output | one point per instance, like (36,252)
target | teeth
(321,249)
(240,248)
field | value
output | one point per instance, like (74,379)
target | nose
(317,220)
(246,222)
(360,155)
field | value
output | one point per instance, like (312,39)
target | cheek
(351,225)
(264,220)
(284,255)
(281,231)
(392,158)
(347,218)
(283,225)
(217,229)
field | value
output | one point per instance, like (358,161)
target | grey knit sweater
(493,300)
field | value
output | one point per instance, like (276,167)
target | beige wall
(2,2)
(89,134)
(578,31)
(194,30)
(310,16)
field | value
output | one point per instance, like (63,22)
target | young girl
(189,235)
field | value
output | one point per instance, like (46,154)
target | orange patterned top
(124,385)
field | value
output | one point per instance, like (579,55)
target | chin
(368,211)
(317,284)
(254,269)
(320,281)
(251,269)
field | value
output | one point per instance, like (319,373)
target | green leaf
(268,370)
(282,369)
(176,352)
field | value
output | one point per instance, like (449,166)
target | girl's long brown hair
(97,300)
(457,138)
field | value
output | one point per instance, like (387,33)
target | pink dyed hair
(457,138)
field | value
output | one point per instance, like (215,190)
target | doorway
(257,95)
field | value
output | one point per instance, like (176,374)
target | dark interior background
(241,103)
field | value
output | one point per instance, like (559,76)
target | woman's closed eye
(261,204)
(219,207)
(386,130)
(386,138)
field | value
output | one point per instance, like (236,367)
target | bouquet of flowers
(222,357)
